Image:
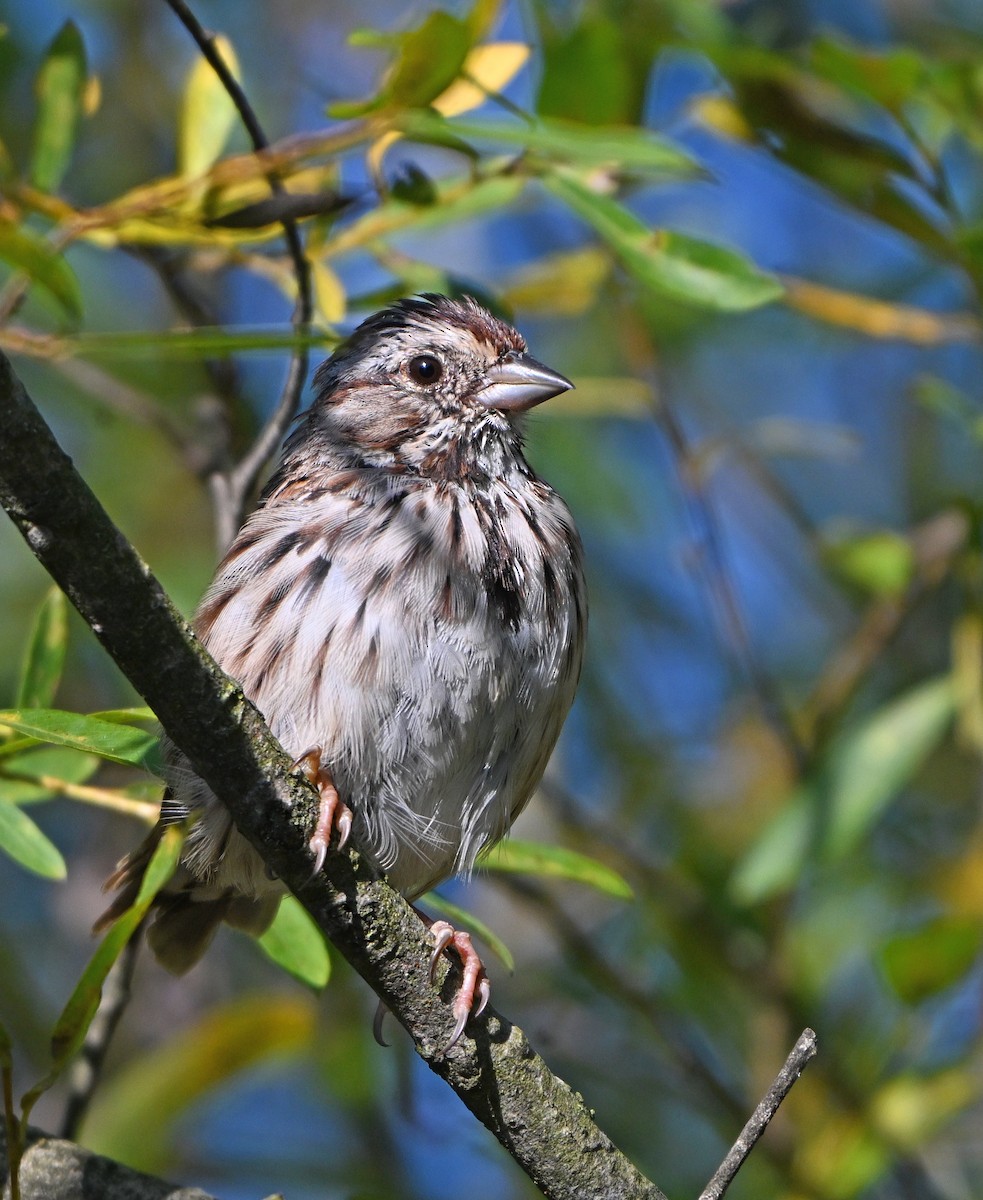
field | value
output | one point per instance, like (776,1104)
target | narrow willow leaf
(61,85)
(71,1026)
(460,918)
(34,256)
(24,842)
(207,113)
(295,943)
(777,857)
(45,657)
(622,147)
(670,264)
(118,743)
(555,862)
(869,769)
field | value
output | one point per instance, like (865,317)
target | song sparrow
(406,607)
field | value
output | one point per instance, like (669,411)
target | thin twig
(804,1050)
(233,493)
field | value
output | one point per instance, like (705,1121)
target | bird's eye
(425,369)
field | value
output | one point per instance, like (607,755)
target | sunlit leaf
(672,264)
(108,739)
(912,1106)
(60,86)
(45,656)
(329,292)
(554,862)
(486,70)
(24,842)
(23,249)
(207,112)
(461,918)
(924,961)
(295,943)
(133,1118)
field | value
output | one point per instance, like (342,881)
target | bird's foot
(333,813)
(474,990)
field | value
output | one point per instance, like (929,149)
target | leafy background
(751,233)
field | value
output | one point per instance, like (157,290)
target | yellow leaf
(487,69)
(207,113)
(329,292)
(878,318)
(377,152)
(721,115)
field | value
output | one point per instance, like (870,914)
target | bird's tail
(186,913)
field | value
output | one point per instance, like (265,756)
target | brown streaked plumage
(405,606)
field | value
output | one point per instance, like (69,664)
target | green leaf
(45,657)
(777,857)
(869,768)
(427,62)
(623,147)
(207,113)
(295,943)
(118,743)
(26,844)
(554,862)
(60,90)
(881,563)
(863,772)
(587,73)
(923,962)
(670,264)
(71,1026)
(460,918)
(34,256)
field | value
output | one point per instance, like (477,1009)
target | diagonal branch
(537,1117)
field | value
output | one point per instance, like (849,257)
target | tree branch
(53,1169)
(537,1117)
(804,1050)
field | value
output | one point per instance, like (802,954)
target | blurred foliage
(752,234)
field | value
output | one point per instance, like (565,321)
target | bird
(406,606)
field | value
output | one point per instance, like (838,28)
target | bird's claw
(474,990)
(334,815)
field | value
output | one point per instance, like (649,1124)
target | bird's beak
(519,383)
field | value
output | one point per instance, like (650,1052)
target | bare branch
(803,1051)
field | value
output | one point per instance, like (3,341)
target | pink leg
(333,814)
(474,991)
